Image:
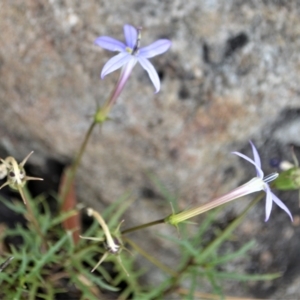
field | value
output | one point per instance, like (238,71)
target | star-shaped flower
(130,54)
(262,183)
(16,175)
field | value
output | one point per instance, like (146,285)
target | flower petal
(115,63)
(110,44)
(256,155)
(269,202)
(130,34)
(259,171)
(281,205)
(145,63)
(125,73)
(155,48)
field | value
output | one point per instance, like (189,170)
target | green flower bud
(288,180)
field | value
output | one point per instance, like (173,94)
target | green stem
(32,219)
(74,167)
(143,226)
(150,258)
(100,116)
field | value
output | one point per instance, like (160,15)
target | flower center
(136,47)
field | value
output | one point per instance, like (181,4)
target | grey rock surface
(232,74)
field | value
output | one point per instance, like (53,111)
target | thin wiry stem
(143,226)
(74,167)
(152,259)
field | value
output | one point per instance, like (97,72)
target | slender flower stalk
(135,228)
(130,54)
(71,173)
(258,183)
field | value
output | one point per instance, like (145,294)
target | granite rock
(232,74)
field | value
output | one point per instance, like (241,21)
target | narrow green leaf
(234,255)
(17,207)
(242,277)
(164,191)
(62,216)
(48,256)
(214,245)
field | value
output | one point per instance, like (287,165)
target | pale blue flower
(130,54)
(261,183)
(256,184)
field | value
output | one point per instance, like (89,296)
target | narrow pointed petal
(3,170)
(256,155)
(269,203)
(25,159)
(281,205)
(4,184)
(100,261)
(130,33)
(259,171)
(5,163)
(145,63)
(110,44)
(27,178)
(115,63)
(156,48)
(91,238)
(22,195)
